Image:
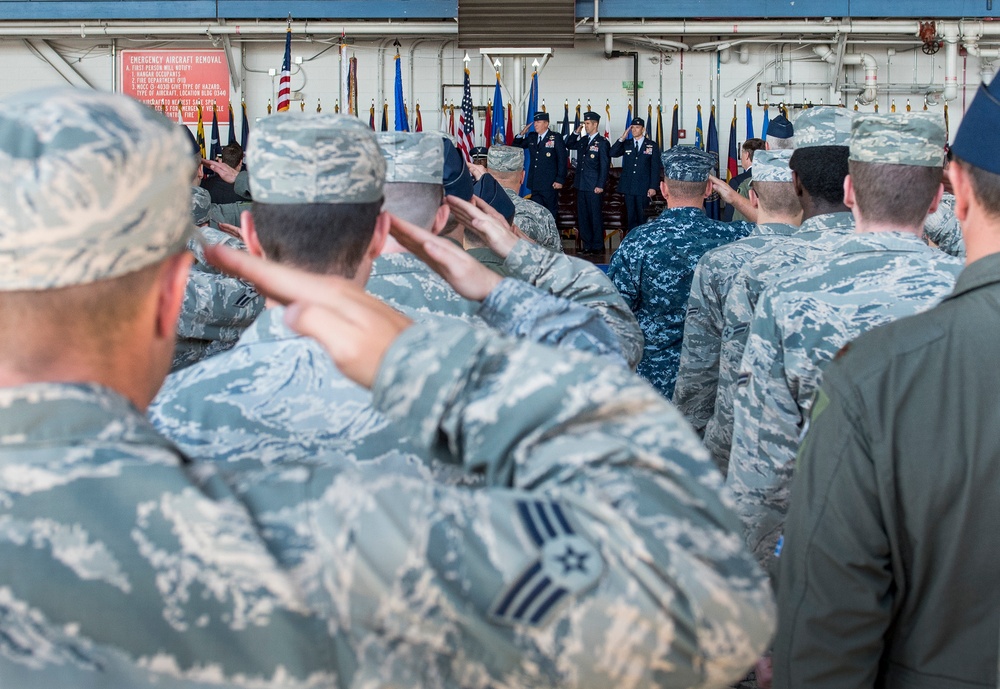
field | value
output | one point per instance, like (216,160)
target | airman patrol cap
(903,138)
(298,158)
(687,164)
(412,157)
(201,202)
(541,116)
(771,166)
(638,121)
(591,116)
(823,125)
(780,128)
(976,141)
(505,159)
(95,185)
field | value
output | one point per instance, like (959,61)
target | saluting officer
(547,172)
(640,170)
(592,162)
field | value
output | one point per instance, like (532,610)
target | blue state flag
(712,206)
(698,138)
(402,124)
(628,121)
(499,122)
(215,148)
(529,117)
(749,120)
(763,127)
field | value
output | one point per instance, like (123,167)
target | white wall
(579,74)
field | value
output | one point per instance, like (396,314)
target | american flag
(467,126)
(285,82)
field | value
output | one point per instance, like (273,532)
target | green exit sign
(629,85)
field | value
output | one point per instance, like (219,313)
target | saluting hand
(225,173)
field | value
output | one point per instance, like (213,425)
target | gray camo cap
(902,138)
(505,159)
(772,166)
(412,157)
(201,202)
(298,158)
(95,186)
(823,125)
(688,164)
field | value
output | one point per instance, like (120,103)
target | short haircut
(777,197)
(415,202)
(325,238)
(232,155)
(899,195)
(821,171)
(777,144)
(93,312)
(686,190)
(750,146)
(985,186)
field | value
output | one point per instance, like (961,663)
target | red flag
(509,136)
(285,82)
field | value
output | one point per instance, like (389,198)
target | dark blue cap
(479,152)
(456,179)
(780,128)
(492,193)
(638,121)
(592,116)
(541,116)
(976,141)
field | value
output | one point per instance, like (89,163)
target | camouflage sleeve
(518,309)
(835,541)
(242,185)
(227,213)
(766,423)
(941,227)
(698,375)
(599,553)
(580,282)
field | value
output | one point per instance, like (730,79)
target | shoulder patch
(567,564)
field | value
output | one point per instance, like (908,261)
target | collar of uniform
(72,415)
(398,263)
(684,211)
(860,242)
(269,327)
(775,228)
(981,273)
(843,221)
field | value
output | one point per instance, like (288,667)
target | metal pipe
(685,28)
(950,33)
(870,92)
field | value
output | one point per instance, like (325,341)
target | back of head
(772,183)
(317,181)
(414,165)
(896,164)
(232,155)
(779,134)
(686,170)
(97,195)
(821,171)
(506,164)
(751,146)
(976,149)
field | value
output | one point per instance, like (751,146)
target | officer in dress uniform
(547,172)
(593,160)
(640,170)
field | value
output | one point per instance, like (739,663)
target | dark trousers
(589,221)
(548,198)
(636,205)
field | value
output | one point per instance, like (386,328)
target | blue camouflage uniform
(125,564)
(653,268)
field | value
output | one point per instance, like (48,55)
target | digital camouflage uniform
(698,373)
(127,565)
(532,218)
(942,228)
(407,283)
(802,321)
(816,126)
(655,263)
